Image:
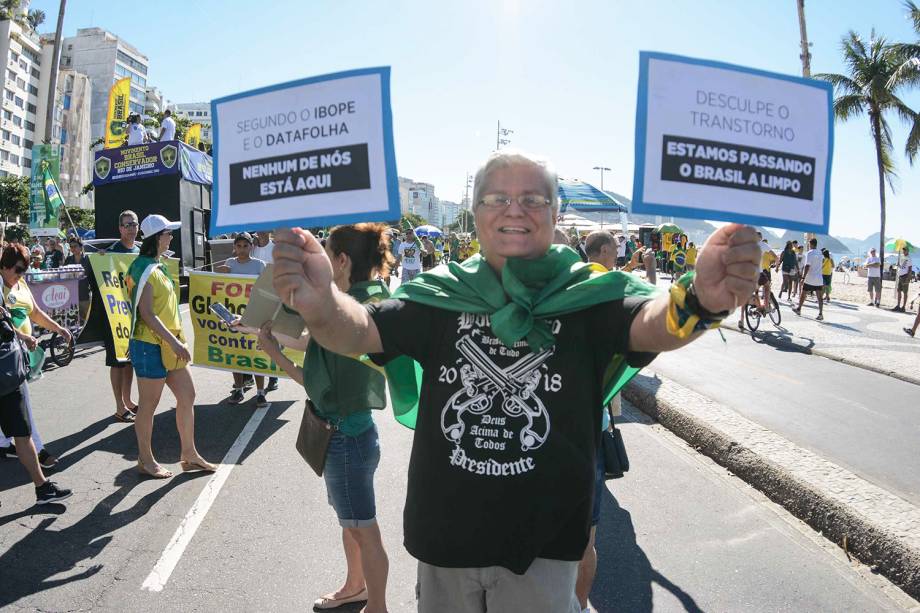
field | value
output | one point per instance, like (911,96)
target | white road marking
(156,580)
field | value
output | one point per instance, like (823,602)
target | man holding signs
(514,382)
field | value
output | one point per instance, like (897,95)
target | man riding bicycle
(761,299)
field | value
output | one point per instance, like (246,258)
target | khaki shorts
(547,586)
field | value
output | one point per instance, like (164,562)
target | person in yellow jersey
(691,256)
(474,244)
(827,273)
(158,351)
(768,260)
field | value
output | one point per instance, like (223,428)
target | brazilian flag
(53,199)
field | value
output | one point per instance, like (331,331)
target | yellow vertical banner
(215,345)
(110,270)
(119,97)
(193,135)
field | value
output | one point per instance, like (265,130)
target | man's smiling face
(514,230)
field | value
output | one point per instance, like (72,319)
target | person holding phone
(244,264)
(344,391)
(156,324)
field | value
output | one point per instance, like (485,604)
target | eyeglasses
(531,202)
(130,224)
(20,269)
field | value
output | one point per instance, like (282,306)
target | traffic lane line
(156,580)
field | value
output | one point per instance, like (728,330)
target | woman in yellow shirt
(157,327)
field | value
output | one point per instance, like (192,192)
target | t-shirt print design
(497,409)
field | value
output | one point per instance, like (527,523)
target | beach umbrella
(896,244)
(429,231)
(586,198)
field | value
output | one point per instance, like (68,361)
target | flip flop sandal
(126,418)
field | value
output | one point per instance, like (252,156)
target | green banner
(43,220)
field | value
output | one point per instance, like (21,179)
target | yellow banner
(193,135)
(216,346)
(110,270)
(118,113)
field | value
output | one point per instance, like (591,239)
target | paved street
(681,534)
(854,333)
(859,419)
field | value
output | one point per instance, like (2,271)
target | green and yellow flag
(193,135)
(118,113)
(53,199)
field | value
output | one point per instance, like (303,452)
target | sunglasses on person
(20,269)
(532,202)
(130,224)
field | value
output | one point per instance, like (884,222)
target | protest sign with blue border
(729,143)
(312,152)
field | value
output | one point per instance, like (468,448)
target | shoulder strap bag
(14,363)
(313,438)
(616,462)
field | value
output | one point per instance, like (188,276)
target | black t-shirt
(502,464)
(55,259)
(84,282)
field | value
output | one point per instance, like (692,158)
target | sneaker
(262,401)
(50,492)
(236,396)
(871,304)
(909,331)
(248,383)
(797,310)
(46,460)
(878,305)
(819,318)
(272,384)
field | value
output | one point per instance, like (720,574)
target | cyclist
(768,260)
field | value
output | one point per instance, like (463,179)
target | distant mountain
(834,245)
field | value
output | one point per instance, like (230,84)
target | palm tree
(8,9)
(35,18)
(871,88)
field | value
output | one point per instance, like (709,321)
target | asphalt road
(862,420)
(677,533)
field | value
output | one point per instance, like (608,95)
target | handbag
(14,366)
(616,462)
(313,438)
(168,356)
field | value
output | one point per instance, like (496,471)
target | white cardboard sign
(313,152)
(729,143)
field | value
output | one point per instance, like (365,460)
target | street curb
(774,341)
(887,549)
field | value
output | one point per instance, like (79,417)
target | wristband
(685,313)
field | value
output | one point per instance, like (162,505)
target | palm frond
(848,106)
(913,13)
(842,83)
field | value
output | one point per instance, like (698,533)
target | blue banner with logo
(151,160)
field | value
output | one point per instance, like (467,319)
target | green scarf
(529,293)
(321,368)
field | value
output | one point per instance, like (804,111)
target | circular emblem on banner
(56,296)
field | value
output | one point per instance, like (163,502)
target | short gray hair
(505,158)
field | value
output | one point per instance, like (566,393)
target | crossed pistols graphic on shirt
(522,423)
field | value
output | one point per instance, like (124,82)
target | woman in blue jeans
(344,391)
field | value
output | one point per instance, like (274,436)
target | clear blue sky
(561,74)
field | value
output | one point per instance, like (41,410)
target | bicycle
(753,314)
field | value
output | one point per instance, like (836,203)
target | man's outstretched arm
(302,277)
(726,275)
